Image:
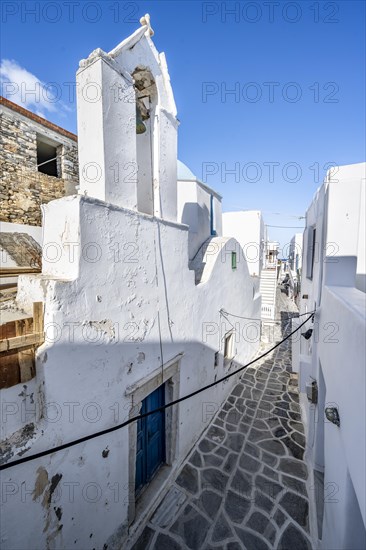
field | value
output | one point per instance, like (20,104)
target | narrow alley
(183,276)
(244,485)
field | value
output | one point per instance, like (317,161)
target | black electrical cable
(144,415)
(224,313)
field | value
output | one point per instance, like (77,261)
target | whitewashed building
(199,207)
(259,253)
(271,254)
(247,226)
(295,252)
(294,265)
(330,355)
(130,323)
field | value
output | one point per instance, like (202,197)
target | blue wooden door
(150,450)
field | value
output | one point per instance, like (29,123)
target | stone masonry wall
(22,188)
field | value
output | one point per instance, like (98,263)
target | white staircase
(267,288)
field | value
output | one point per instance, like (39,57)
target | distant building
(247,226)
(260,254)
(294,265)
(271,254)
(39,163)
(330,355)
(295,252)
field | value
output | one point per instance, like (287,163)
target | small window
(212,217)
(233,260)
(310,256)
(229,346)
(47,157)
(216,364)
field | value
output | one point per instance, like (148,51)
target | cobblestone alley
(244,483)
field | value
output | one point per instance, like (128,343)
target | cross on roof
(145,20)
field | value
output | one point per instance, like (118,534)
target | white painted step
(268,289)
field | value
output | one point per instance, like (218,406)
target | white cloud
(25,89)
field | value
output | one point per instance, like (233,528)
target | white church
(135,276)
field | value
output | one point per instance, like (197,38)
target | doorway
(153,448)
(150,440)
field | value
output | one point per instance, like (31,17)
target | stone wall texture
(22,248)
(22,188)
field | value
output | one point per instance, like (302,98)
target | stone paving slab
(243,485)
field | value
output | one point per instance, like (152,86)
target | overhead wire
(58,448)
(285,226)
(224,313)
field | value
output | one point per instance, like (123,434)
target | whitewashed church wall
(129,287)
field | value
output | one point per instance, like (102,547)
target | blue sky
(296,70)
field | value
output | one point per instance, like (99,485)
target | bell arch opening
(146,101)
